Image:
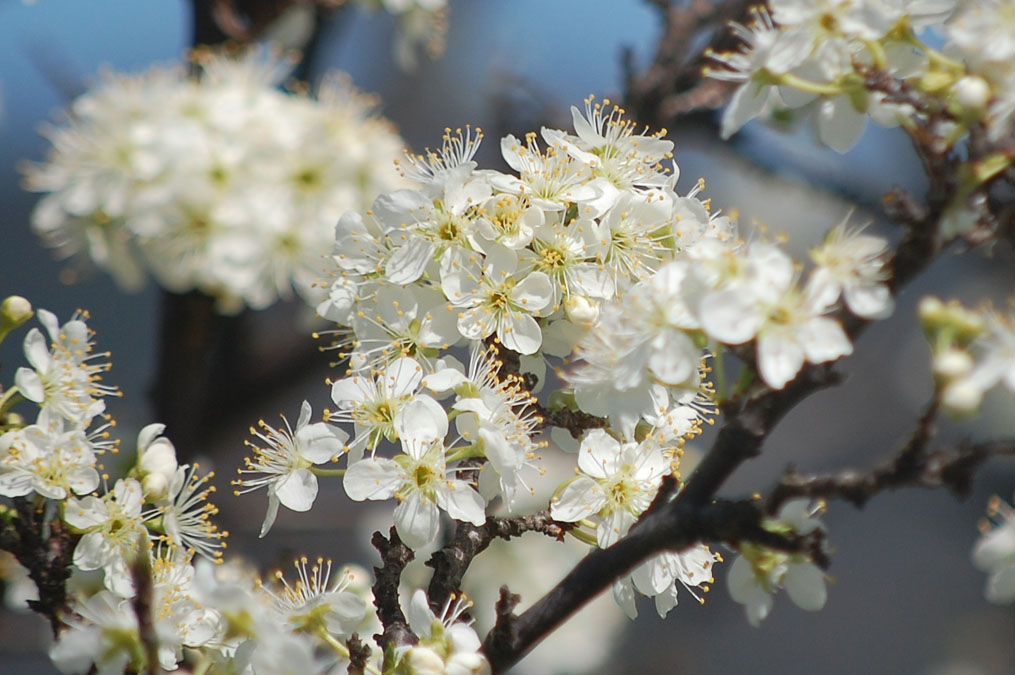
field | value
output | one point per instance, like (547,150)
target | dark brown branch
(394,557)
(452,562)
(680,525)
(949,468)
(673,84)
(46,550)
(144,599)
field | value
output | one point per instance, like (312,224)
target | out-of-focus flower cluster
(801,52)
(211,178)
(973,351)
(422,26)
(994,553)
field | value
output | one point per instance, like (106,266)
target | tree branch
(394,557)
(680,525)
(452,562)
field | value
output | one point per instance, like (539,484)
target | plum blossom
(104,639)
(758,572)
(314,602)
(492,299)
(788,322)
(372,403)
(211,178)
(418,478)
(853,264)
(48,461)
(284,464)
(65,379)
(497,414)
(617,481)
(113,533)
(994,552)
(446,643)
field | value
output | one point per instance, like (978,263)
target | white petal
(613,527)
(419,614)
(805,584)
(444,380)
(420,422)
(839,123)
(37,350)
(401,377)
(520,333)
(823,340)
(462,502)
(623,594)
(320,442)
(580,499)
(870,301)
(298,490)
(475,323)
(747,103)
(599,454)
(30,385)
(534,292)
(305,412)
(995,548)
(674,358)
(373,478)
(730,317)
(408,261)
(349,391)
(779,358)
(417,521)
(92,552)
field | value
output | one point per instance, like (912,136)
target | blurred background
(906,598)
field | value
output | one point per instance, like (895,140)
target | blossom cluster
(798,52)
(973,351)
(154,527)
(216,181)
(585,264)
(422,25)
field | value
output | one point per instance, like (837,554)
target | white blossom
(284,464)
(994,552)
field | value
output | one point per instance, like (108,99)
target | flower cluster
(974,350)
(422,25)
(586,262)
(798,52)
(157,517)
(218,182)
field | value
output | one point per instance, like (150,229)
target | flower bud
(14,311)
(581,311)
(424,661)
(952,363)
(961,398)
(155,486)
(158,457)
(949,324)
(972,91)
